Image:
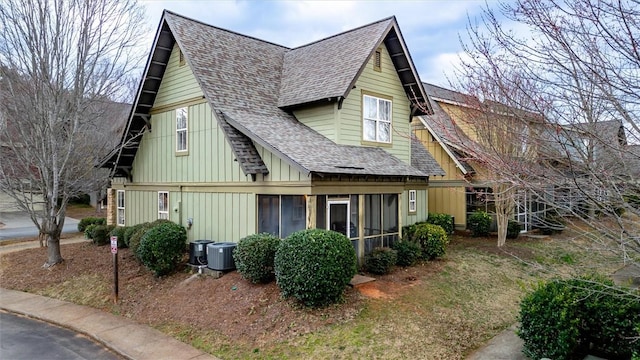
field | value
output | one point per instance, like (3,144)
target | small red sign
(114,244)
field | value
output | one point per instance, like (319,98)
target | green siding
(387,83)
(422,207)
(210,157)
(178,83)
(279,170)
(320,118)
(216,216)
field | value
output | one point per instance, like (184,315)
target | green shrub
(513,229)
(409,231)
(128,233)
(134,240)
(88,231)
(479,223)
(432,239)
(101,234)
(443,220)
(82,225)
(564,319)
(409,252)
(162,247)
(254,256)
(381,260)
(119,231)
(314,266)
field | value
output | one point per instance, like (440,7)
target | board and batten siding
(321,118)
(217,216)
(209,159)
(387,83)
(178,83)
(422,207)
(279,170)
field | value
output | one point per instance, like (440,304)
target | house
(230,135)
(450,136)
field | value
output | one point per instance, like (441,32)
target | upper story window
(182,124)
(376,119)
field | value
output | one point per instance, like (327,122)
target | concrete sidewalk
(123,336)
(504,346)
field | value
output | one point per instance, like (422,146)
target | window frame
(182,130)
(378,120)
(413,203)
(166,211)
(120,219)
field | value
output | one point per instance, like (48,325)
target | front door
(338,216)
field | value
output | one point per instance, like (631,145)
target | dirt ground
(230,305)
(254,314)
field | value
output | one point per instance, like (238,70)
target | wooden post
(114,252)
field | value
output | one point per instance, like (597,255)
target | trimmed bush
(409,231)
(134,240)
(88,231)
(443,220)
(128,233)
(381,260)
(479,223)
(101,234)
(409,252)
(565,319)
(82,225)
(314,266)
(513,229)
(432,239)
(119,231)
(162,247)
(254,256)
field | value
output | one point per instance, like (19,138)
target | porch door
(338,218)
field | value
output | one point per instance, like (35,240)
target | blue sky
(431,28)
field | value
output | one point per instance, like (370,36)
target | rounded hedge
(432,239)
(162,247)
(479,223)
(513,229)
(409,252)
(314,266)
(136,235)
(90,220)
(565,319)
(443,220)
(381,260)
(254,256)
(101,233)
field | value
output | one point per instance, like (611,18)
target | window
(120,207)
(412,201)
(163,205)
(376,119)
(181,129)
(281,215)
(377,60)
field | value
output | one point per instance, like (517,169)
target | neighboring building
(231,135)
(449,135)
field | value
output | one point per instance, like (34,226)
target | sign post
(114,251)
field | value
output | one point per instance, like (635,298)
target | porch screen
(281,215)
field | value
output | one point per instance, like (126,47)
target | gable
(178,84)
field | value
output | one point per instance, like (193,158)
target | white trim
(348,219)
(185,129)
(413,203)
(120,220)
(378,119)
(164,211)
(444,146)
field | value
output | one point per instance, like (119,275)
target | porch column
(111,206)
(311,211)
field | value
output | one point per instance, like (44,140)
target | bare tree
(61,64)
(580,70)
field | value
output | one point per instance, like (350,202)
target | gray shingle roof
(421,159)
(240,77)
(326,68)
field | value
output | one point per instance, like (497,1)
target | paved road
(19,225)
(24,338)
